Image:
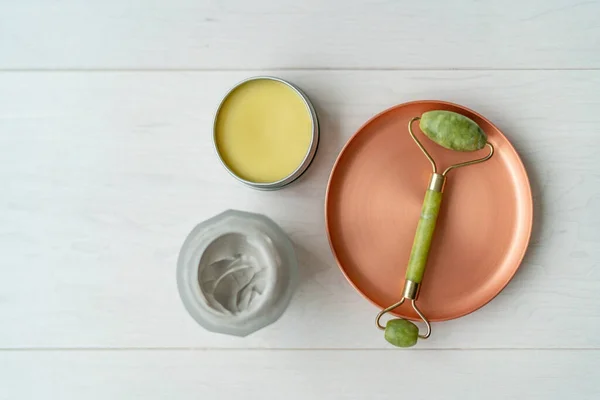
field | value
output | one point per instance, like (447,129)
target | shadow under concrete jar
(236,272)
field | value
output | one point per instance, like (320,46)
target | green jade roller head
(454,132)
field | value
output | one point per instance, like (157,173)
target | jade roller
(454,132)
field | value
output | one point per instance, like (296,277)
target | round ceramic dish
(373,203)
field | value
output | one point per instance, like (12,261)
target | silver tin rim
(310,154)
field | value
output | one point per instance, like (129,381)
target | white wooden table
(106,163)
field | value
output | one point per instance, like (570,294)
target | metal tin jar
(312,148)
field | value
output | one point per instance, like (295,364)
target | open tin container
(311,148)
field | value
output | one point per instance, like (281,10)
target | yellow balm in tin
(266,132)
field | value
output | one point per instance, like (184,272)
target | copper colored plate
(374,199)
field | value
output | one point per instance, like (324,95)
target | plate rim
(528,195)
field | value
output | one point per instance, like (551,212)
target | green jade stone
(401,333)
(452,130)
(423,236)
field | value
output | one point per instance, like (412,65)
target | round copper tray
(373,203)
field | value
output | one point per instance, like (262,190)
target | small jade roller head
(452,130)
